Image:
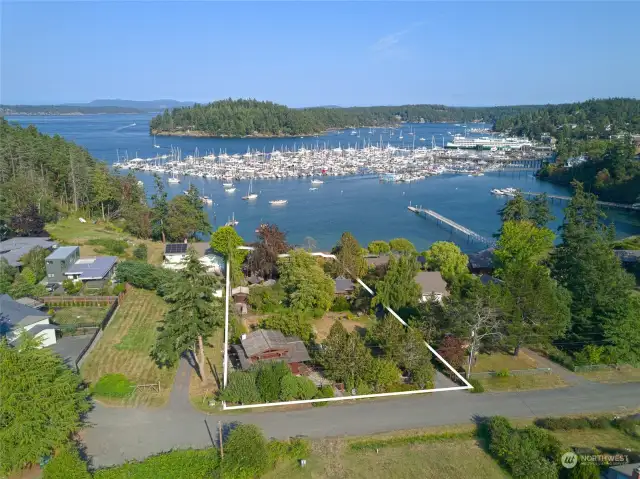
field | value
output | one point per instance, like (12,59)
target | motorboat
(317,182)
(229,190)
(278,202)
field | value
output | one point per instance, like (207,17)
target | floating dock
(568,198)
(454,226)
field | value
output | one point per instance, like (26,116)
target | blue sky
(331,53)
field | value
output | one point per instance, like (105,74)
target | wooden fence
(79,300)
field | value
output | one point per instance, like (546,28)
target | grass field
(333,458)
(498,361)
(520,383)
(597,438)
(626,374)
(72,232)
(80,315)
(125,345)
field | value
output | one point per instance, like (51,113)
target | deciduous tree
(264,257)
(447,258)
(56,400)
(379,247)
(225,240)
(304,282)
(398,288)
(402,245)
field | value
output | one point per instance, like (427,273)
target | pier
(454,226)
(568,198)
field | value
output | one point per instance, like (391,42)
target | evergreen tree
(194,313)
(304,282)
(350,259)
(398,288)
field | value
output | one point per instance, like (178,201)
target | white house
(175,257)
(16,318)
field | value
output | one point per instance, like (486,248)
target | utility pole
(220,435)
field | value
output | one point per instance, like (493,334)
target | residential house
(16,317)
(628,256)
(344,286)
(482,262)
(175,257)
(432,285)
(240,297)
(15,248)
(270,345)
(59,261)
(65,263)
(624,471)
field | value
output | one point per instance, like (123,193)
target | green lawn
(125,347)
(597,438)
(71,231)
(498,361)
(80,315)
(625,374)
(524,382)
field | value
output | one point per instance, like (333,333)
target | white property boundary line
(342,398)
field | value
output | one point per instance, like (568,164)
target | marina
(365,200)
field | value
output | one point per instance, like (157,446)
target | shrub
(572,423)
(245,453)
(179,464)
(323,392)
(119,288)
(268,378)
(340,304)
(400,387)
(113,385)
(525,453)
(422,376)
(66,464)
(140,252)
(241,389)
(144,275)
(306,388)
(477,386)
(453,351)
(288,388)
(503,373)
(109,246)
(628,425)
(585,470)
(71,287)
(290,323)
(266,299)
(591,354)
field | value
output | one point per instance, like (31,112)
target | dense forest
(43,176)
(589,119)
(252,117)
(609,168)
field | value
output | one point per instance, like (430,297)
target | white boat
(229,190)
(206,200)
(278,202)
(313,189)
(155,145)
(421,139)
(173,181)
(233,221)
(250,194)
(227,185)
(497,191)
(317,182)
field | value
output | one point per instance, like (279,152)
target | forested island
(245,118)
(54,110)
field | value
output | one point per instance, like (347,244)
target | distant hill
(144,105)
(54,110)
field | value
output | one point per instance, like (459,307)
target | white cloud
(391,41)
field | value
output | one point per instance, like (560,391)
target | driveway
(120,434)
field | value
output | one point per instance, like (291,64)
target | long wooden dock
(454,226)
(568,198)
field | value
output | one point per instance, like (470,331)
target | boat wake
(124,127)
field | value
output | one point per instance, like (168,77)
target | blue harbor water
(359,204)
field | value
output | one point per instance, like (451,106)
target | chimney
(636,473)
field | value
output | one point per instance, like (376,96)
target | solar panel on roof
(176,248)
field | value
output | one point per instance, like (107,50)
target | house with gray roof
(66,263)
(432,284)
(344,286)
(16,318)
(270,345)
(15,248)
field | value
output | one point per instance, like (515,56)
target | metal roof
(431,282)
(92,268)
(63,252)
(15,248)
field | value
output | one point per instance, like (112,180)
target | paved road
(122,434)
